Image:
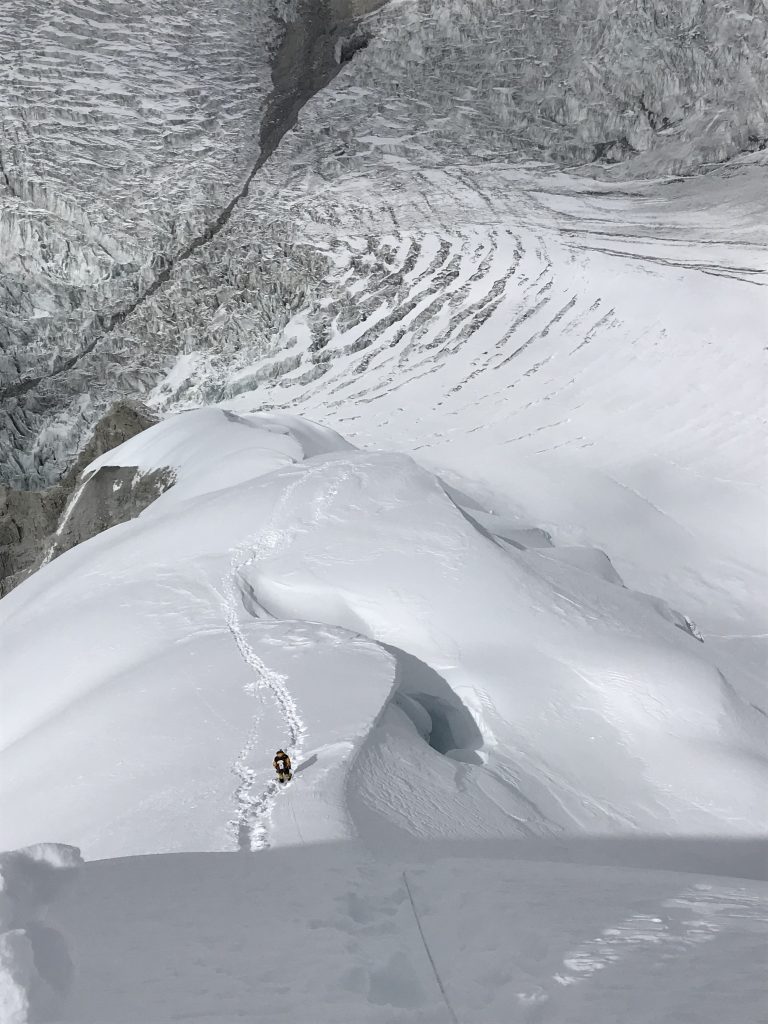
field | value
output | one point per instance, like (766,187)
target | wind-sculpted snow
(291,591)
(592,352)
(525,612)
(164,653)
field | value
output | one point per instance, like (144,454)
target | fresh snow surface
(291,590)
(479,717)
(330,933)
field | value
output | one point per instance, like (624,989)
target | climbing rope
(438,979)
(295,819)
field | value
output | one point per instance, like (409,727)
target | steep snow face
(426,676)
(557,667)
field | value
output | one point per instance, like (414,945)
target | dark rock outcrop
(36,526)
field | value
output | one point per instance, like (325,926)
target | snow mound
(197,685)
(209,449)
(561,671)
(35,967)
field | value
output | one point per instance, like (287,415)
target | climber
(282,765)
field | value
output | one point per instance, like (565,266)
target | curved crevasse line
(250,825)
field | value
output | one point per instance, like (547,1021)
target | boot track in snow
(253,813)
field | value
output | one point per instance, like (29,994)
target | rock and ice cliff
(36,526)
(164,117)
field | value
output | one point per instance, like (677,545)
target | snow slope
(332,933)
(35,964)
(291,590)
(589,354)
(435,932)
(169,649)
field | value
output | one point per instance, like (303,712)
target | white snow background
(478,535)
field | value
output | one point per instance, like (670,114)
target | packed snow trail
(253,813)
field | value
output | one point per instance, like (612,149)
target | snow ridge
(254,813)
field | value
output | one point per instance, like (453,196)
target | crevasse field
(462,403)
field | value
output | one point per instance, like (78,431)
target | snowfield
(525,687)
(442,933)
